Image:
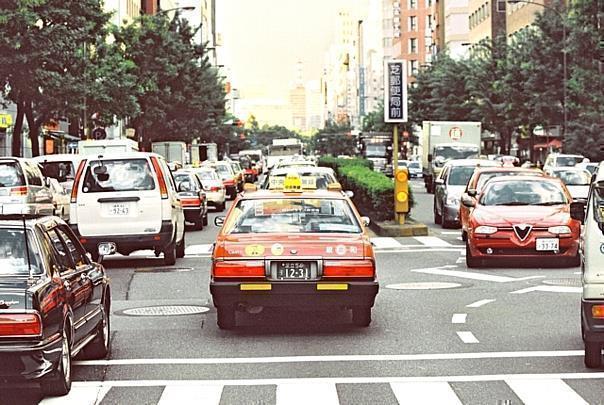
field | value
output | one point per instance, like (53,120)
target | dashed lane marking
(480,303)
(459,318)
(550,288)
(442,271)
(467,337)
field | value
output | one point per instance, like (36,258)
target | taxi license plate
(293,270)
(119,210)
(547,244)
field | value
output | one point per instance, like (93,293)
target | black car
(54,303)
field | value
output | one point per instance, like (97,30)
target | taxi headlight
(452,200)
(558,230)
(485,230)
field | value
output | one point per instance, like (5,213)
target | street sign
(455,133)
(395,91)
(6,120)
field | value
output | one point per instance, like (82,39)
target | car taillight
(76,181)
(16,325)
(239,268)
(597,311)
(163,189)
(228,182)
(215,189)
(348,268)
(21,190)
(190,202)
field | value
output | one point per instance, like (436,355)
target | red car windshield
(523,193)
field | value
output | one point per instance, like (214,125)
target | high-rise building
(154,6)
(521,15)
(487,20)
(123,11)
(456,27)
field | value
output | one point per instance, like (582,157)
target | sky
(264,39)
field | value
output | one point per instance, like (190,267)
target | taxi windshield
(13,255)
(292,215)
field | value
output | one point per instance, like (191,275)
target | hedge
(373,191)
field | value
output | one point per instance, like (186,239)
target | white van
(59,166)
(592,246)
(129,202)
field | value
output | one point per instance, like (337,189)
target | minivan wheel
(593,354)
(170,254)
(180,248)
(58,382)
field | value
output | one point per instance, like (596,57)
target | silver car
(23,188)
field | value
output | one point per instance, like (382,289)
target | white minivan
(592,246)
(127,202)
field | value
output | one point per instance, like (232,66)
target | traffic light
(401,190)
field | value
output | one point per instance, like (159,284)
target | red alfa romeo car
(523,217)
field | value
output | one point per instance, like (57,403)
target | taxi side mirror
(577,211)
(472,192)
(219,221)
(468,201)
(349,193)
(366,221)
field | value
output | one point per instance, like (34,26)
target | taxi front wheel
(361,316)
(225,317)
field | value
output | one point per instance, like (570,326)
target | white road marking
(467,337)
(89,394)
(339,380)
(460,259)
(420,250)
(459,318)
(473,276)
(550,288)
(480,303)
(385,243)
(449,232)
(546,391)
(333,358)
(432,241)
(199,249)
(425,393)
(303,394)
(198,394)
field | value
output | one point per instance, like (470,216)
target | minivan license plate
(293,270)
(119,209)
(547,244)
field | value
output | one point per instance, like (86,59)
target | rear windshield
(460,175)
(62,171)
(574,177)
(207,175)
(295,215)
(223,169)
(568,160)
(118,175)
(13,256)
(522,193)
(11,175)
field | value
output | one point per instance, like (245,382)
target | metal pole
(564,85)
(395,165)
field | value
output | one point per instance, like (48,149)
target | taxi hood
(299,245)
(506,216)
(13,293)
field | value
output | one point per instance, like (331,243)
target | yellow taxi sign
(334,187)
(279,183)
(250,187)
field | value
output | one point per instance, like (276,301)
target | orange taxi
(293,248)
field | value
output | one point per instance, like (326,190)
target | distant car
(523,217)
(192,197)
(415,168)
(450,185)
(591,167)
(293,249)
(576,180)
(60,199)
(212,185)
(562,160)
(54,303)
(477,182)
(227,175)
(239,174)
(23,189)
(61,167)
(129,201)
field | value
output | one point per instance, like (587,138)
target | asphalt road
(440,334)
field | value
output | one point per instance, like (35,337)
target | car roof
(59,157)
(473,162)
(122,155)
(500,169)
(280,194)
(525,178)
(30,221)
(286,170)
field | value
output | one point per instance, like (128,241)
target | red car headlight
(485,230)
(559,230)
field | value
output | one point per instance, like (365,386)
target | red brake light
(16,325)
(76,181)
(21,190)
(348,268)
(228,182)
(239,269)
(190,202)
(214,188)
(160,177)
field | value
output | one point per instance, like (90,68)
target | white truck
(172,151)
(283,149)
(107,146)
(201,152)
(447,140)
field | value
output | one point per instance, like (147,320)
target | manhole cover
(166,310)
(423,286)
(569,282)
(162,269)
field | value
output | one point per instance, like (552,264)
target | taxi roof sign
(292,182)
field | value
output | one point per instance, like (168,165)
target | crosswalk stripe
(385,243)
(184,395)
(546,391)
(432,241)
(79,395)
(424,393)
(307,393)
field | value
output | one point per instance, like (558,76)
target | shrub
(336,163)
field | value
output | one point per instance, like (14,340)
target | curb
(409,228)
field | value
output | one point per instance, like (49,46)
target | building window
(429,21)
(428,3)
(412,45)
(412,4)
(413,23)
(413,67)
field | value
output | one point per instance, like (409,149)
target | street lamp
(564,86)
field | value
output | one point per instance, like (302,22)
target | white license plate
(119,210)
(548,244)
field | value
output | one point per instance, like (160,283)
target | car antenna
(29,275)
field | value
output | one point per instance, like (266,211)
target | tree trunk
(17,130)
(34,130)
